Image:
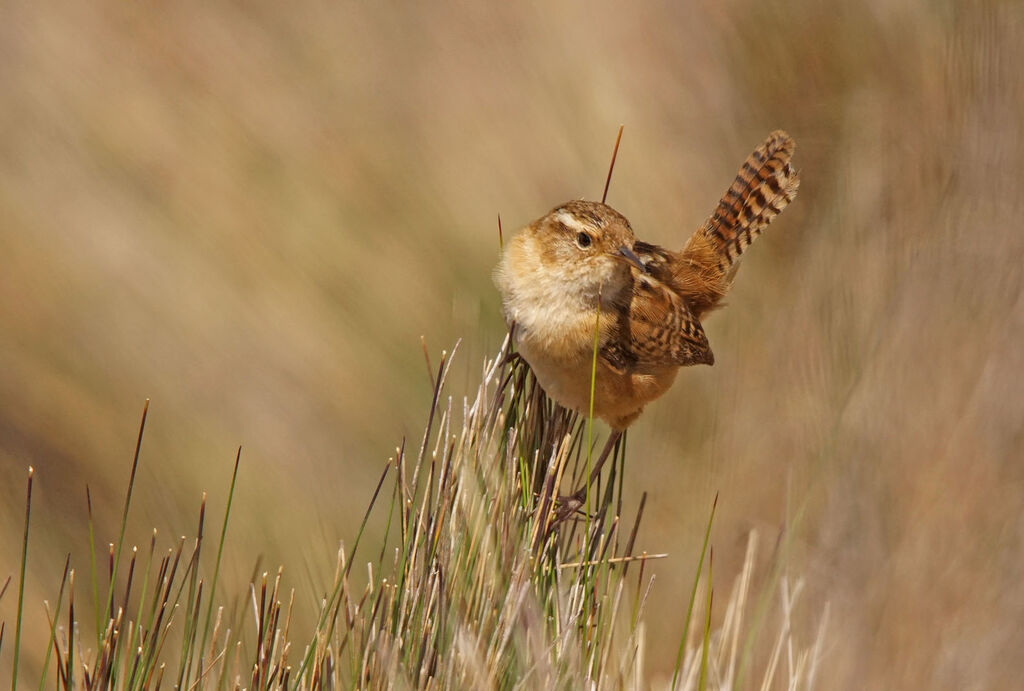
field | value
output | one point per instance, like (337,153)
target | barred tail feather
(765,185)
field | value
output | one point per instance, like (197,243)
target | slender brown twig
(611,167)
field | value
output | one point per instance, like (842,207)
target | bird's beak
(631,257)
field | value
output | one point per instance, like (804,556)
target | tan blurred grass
(252,213)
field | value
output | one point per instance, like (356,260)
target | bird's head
(589,243)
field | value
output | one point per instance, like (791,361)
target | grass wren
(577,277)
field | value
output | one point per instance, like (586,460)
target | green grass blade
(92,569)
(124,512)
(21,582)
(590,423)
(216,564)
(53,624)
(702,682)
(693,594)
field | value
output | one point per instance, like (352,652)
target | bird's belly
(618,397)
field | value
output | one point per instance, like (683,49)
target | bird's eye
(583,240)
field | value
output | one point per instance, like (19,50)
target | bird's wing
(657,330)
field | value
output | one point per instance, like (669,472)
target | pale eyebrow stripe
(567,219)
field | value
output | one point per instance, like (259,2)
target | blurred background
(251,213)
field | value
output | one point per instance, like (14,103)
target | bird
(577,286)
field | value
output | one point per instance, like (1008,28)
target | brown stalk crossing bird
(577,277)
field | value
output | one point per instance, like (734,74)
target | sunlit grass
(479,582)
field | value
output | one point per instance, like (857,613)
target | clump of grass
(480,581)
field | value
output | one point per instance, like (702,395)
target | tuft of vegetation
(484,579)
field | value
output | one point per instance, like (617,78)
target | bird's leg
(595,471)
(572,503)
